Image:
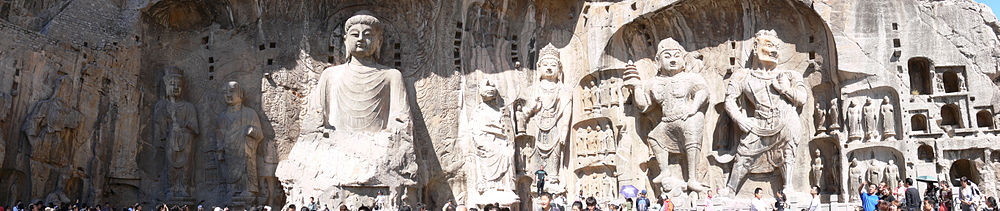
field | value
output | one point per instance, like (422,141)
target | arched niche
(951,115)
(925,153)
(807,47)
(919,69)
(831,164)
(918,122)
(984,119)
(951,82)
(875,159)
(964,168)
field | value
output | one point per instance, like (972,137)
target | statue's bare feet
(697,186)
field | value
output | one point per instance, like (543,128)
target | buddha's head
(362,35)
(549,64)
(173,81)
(488,90)
(233,93)
(766,47)
(670,54)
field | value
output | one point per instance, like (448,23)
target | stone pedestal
(336,167)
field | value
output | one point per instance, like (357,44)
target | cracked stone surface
(932,65)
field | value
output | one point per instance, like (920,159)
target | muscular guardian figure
(763,101)
(681,96)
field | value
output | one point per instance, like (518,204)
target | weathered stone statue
(494,151)
(49,127)
(816,176)
(358,116)
(176,124)
(891,174)
(834,115)
(871,120)
(856,177)
(546,112)
(772,125)
(239,136)
(874,173)
(888,119)
(820,118)
(855,130)
(681,96)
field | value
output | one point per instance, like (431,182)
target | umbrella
(927,179)
(629,191)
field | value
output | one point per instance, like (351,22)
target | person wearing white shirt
(814,203)
(758,204)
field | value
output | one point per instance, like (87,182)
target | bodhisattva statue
(871,120)
(546,112)
(773,127)
(816,176)
(238,136)
(49,127)
(856,177)
(358,115)
(820,118)
(681,96)
(834,115)
(891,174)
(494,151)
(855,130)
(888,119)
(176,124)
(874,173)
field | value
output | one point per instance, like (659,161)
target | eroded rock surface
(867,84)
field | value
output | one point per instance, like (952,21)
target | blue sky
(994,4)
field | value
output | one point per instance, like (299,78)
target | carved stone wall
(921,75)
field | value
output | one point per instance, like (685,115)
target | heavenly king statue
(772,125)
(681,96)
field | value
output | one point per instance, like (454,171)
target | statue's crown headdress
(549,51)
(667,44)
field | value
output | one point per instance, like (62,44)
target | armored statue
(176,124)
(871,120)
(888,119)
(834,115)
(772,125)
(816,176)
(49,127)
(358,114)
(681,97)
(820,119)
(546,112)
(239,136)
(855,130)
(494,151)
(891,174)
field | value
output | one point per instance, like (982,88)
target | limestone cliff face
(936,61)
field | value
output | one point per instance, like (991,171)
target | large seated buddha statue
(356,137)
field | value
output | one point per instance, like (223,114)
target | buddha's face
(671,60)
(550,68)
(362,40)
(767,50)
(173,86)
(232,93)
(488,91)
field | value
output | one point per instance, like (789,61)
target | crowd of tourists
(936,197)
